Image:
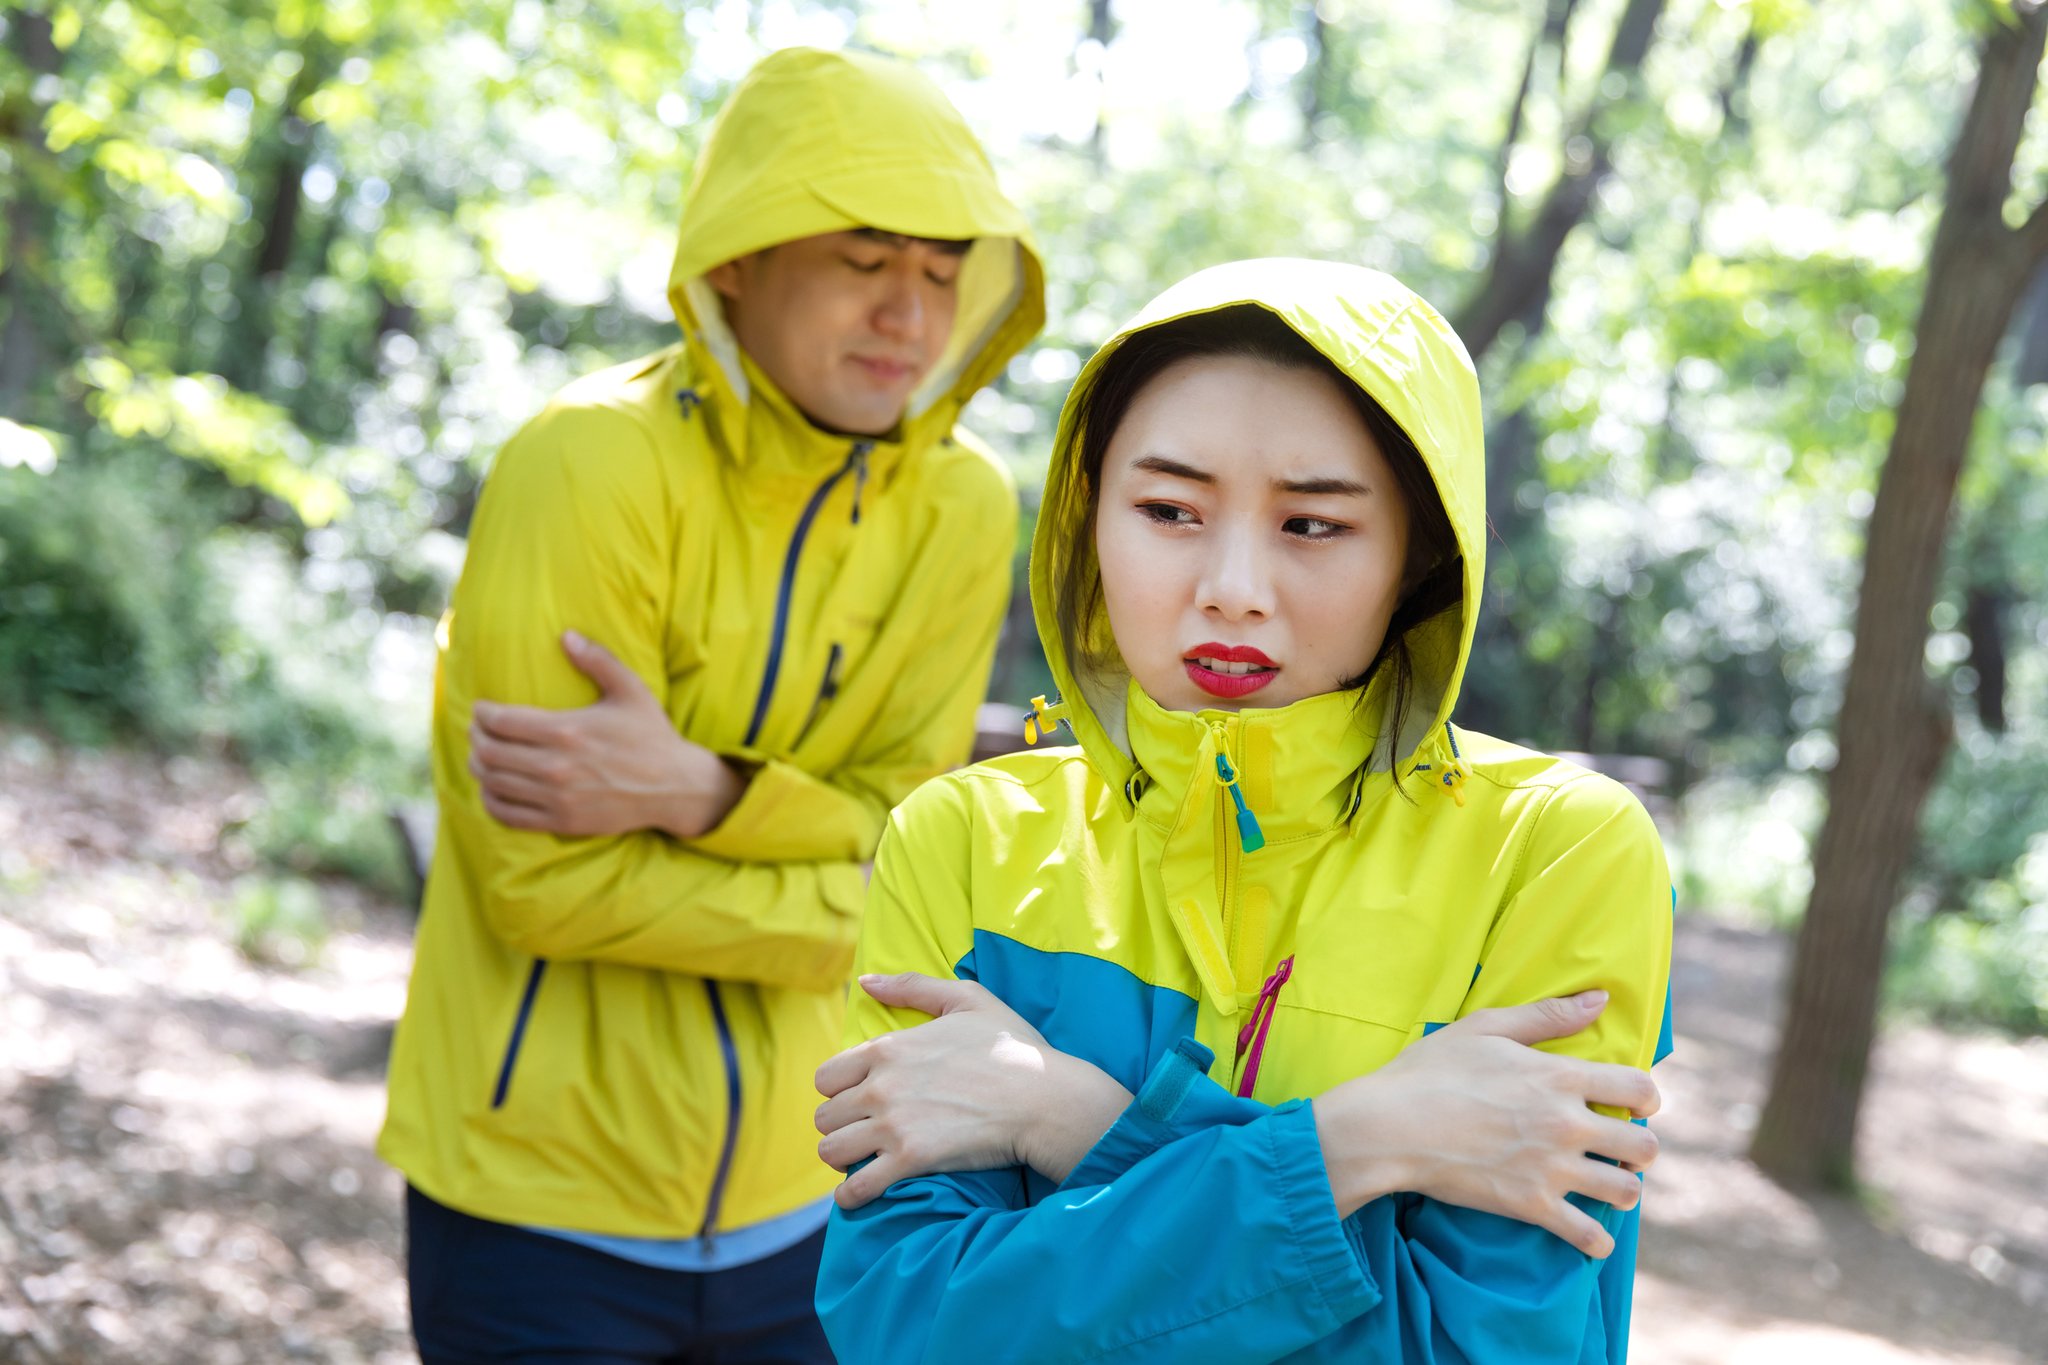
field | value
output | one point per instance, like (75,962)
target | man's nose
(901,311)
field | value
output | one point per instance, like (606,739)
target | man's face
(845,323)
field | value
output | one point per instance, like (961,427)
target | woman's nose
(1236,583)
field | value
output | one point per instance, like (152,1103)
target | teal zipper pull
(1248,832)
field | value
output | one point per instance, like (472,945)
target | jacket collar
(1300,769)
(761,431)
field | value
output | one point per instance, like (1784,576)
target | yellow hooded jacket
(1139,898)
(617,1035)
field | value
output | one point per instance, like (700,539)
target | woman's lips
(1227,685)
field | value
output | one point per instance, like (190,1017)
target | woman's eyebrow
(1347,486)
(1159,464)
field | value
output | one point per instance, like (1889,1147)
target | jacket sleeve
(1213,1204)
(947,618)
(573,532)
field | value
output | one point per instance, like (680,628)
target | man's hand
(612,767)
(975,1089)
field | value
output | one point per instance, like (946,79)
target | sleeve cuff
(1332,1248)
(1177,1099)
(777,819)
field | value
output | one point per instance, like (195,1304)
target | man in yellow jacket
(601,1088)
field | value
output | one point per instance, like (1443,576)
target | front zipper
(856,465)
(540,964)
(709,1232)
(1227,855)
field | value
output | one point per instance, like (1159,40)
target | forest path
(187,1174)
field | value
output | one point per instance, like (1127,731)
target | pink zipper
(1253,1034)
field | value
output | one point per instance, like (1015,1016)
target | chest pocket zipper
(828,688)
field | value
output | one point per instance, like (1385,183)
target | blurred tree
(1895,727)
(1524,258)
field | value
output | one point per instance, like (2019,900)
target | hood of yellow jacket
(814,142)
(1317,751)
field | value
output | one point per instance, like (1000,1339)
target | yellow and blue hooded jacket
(618,1035)
(1178,885)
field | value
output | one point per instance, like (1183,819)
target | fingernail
(572,639)
(1591,1000)
(868,979)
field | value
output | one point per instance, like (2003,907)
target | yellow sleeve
(573,531)
(919,909)
(946,620)
(1591,907)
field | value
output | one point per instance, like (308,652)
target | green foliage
(1741,852)
(104,601)
(1985,963)
(278,920)
(277,279)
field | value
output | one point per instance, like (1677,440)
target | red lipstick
(1229,685)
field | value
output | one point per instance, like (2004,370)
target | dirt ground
(186,1172)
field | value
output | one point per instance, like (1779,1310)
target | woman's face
(1251,536)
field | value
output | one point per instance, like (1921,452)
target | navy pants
(484,1291)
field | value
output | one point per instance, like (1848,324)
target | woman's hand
(975,1089)
(612,767)
(1473,1115)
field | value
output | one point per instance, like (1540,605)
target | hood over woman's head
(1268,487)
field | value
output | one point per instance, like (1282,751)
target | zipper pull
(859,459)
(1253,1034)
(1038,724)
(1248,832)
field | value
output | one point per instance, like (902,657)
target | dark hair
(1434,571)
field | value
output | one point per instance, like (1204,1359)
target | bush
(134,609)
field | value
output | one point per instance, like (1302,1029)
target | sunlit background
(276,281)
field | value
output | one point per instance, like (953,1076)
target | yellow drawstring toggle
(1038,725)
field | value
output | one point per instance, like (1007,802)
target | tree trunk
(1101,29)
(1523,261)
(1984,607)
(1894,728)
(246,347)
(24,352)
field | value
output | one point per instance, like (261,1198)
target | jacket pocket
(519,1022)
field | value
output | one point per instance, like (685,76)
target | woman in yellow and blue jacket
(1275,904)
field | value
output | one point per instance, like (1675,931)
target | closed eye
(864,267)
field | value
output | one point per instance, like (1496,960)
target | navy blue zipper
(857,465)
(540,964)
(732,1112)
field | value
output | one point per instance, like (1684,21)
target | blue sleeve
(1222,1246)
(1201,1227)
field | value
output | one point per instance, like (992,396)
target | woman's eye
(1166,513)
(942,281)
(1314,528)
(864,267)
